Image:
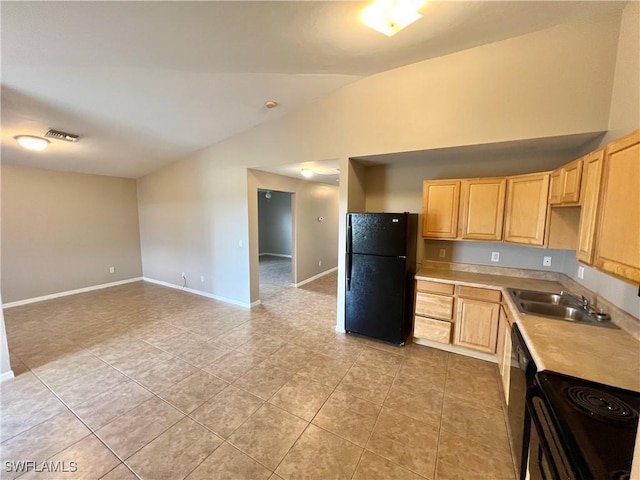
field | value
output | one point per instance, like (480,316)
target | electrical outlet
(443,252)
(240,243)
(184,275)
(581,273)
(202,278)
(319,263)
(112,269)
(495,256)
(546,261)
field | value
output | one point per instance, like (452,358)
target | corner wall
(274,223)
(62,231)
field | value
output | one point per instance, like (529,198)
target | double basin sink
(560,306)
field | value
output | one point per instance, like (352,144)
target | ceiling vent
(58,135)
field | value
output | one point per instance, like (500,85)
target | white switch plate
(495,256)
(112,269)
(443,253)
(546,261)
(202,278)
(581,273)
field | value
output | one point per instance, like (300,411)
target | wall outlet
(184,275)
(546,261)
(443,252)
(240,243)
(319,263)
(112,269)
(495,256)
(202,278)
(581,273)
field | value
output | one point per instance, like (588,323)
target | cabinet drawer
(431,329)
(485,294)
(434,287)
(431,305)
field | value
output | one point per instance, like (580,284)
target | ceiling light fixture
(32,143)
(306,172)
(390,16)
(270,104)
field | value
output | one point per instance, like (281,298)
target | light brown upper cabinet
(618,234)
(440,202)
(564,188)
(591,179)
(482,208)
(526,209)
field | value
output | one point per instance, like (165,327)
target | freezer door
(375,297)
(377,234)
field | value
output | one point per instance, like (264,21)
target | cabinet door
(440,201)
(555,187)
(482,209)
(526,209)
(591,179)
(618,236)
(571,176)
(477,325)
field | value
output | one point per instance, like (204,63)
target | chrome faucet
(582,300)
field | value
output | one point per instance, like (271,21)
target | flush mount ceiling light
(32,143)
(306,172)
(390,16)
(270,104)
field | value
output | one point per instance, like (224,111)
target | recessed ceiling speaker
(58,135)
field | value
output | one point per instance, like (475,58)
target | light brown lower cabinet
(503,352)
(476,325)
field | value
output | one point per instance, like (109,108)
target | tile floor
(142,381)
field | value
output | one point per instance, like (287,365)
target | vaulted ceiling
(146,83)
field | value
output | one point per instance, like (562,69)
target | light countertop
(603,355)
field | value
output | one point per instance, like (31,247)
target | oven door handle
(532,393)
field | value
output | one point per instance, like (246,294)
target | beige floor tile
(175,453)
(229,463)
(374,467)
(326,370)
(432,356)
(410,443)
(193,391)
(227,410)
(465,418)
(42,441)
(160,375)
(22,412)
(349,417)
(84,460)
(268,435)
(422,374)
(204,354)
(380,362)
(289,357)
(462,363)
(421,404)
(136,428)
(479,461)
(368,385)
(264,380)
(302,397)
(233,365)
(68,367)
(121,472)
(482,388)
(82,389)
(320,455)
(262,345)
(105,407)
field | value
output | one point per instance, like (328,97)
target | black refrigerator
(380,270)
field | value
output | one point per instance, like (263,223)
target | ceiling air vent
(58,135)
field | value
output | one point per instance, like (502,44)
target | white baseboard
(200,292)
(69,292)
(454,349)
(274,255)
(315,277)
(6,376)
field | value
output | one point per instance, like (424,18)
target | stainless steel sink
(560,306)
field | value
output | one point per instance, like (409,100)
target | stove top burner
(600,405)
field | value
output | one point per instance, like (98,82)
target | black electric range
(585,430)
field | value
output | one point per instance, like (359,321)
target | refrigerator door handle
(348,271)
(349,235)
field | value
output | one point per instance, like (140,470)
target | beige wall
(62,231)
(313,241)
(548,83)
(5,361)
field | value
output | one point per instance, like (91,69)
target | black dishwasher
(522,374)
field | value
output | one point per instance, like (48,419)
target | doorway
(275,241)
